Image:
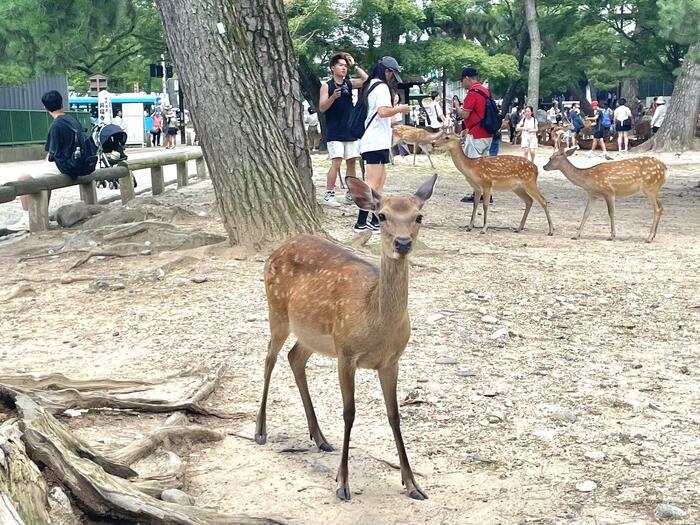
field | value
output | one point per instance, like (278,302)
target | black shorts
(376,157)
(624,126)
(600,134)
(172,131)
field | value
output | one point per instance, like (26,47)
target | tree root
(92,254)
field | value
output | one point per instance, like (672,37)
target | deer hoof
(482,232)
(611,238)
(417,494)
(575,238)
(551,234)
(343,493)
(261,439)
(326,447)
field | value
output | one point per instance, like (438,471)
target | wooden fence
(39,187)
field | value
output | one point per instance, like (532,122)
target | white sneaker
(22,225)
(329,200)
(348,198)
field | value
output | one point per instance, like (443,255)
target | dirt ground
(596,380)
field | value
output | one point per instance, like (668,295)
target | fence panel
(31,127)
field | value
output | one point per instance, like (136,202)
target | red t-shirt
(477,104)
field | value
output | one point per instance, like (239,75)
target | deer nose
(402,245)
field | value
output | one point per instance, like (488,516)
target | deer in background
(416,137)
(501,173)
(621,178)
(341,306)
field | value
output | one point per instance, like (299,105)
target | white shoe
(348,198)
(329,200)
(22,225)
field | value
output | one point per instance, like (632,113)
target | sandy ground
(598,379)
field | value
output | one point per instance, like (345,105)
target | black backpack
(356,122)
(83,158)
(491,121)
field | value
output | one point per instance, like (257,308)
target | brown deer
(341,306)
(621,178)
(416,137)
(501,173)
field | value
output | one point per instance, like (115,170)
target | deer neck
(576,175)
(463,163)
(392,292)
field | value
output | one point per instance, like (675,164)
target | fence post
(181,174)
(88,192)
(126,187)
(157,180)
(39,211)
(201,168)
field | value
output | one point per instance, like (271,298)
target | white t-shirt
(378,133)
(434,115)
(622,113)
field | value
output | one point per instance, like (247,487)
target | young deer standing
(344,307)
(501,173)
(621,178)
(416,137)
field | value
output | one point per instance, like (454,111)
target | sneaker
(359,228)
(22,225)
(348,198)
(329,200)
(467,198)
(608,157)
(374,227)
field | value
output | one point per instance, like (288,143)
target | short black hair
(338,56)
(470,72)
(434,94)
(622,102)
(52,100)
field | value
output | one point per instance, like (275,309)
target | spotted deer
(501,173)
(621,178)
(416,137)
(341,306)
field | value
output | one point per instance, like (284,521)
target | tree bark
(266,23)
(262,197)
(677,133)
(310,88)
(533,84)
(630,89)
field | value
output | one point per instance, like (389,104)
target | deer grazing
(501,173)
(341,306)
(621,178)
(416,137)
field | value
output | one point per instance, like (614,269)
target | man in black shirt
(59,145)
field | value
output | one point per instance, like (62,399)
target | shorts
(475,148)
(172,131)
(600,133)
(625,125)
(380,156)
(343,150)
(529,141)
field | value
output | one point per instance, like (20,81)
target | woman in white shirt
(436,117)
(659,114)
(528,128)
(623,124)
(376,140)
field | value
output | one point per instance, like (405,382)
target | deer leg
(658,209)
(610,201)
(279,332)
(346,373)
(415,150)
(431,160)
(487,197)
(298,357)
(520,192)
(586,213)
(388,378)
(475,204)
(534,192)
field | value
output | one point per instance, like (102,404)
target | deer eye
(382,217)
(419,219)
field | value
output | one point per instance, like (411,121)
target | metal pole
(166,100)
(181,97)
(444,92)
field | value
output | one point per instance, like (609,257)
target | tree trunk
(533,84)
(262,197)
(630,89)
(310,88)
(677,133)
(266,23)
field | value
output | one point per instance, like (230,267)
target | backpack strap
(371,88)
(487,97)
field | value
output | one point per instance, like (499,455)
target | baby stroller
(110,140)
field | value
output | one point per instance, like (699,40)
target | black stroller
(111,141)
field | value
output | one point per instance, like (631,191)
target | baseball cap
(391,63)
(594,104)
(469,72)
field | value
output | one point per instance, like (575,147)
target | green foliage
(679,20)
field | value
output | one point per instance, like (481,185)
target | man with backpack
(68,146)
(602,128)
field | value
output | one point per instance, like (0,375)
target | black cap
(470,72)
(391,63)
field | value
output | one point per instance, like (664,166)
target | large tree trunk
(630,89)
(266,23)
(262,197)
(311,89)
(677,133)
(533,84)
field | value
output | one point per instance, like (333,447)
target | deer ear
(364,196)
(570,152)
(426,190)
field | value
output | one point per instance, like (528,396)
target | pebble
(488,393)
(200,279)
(145,252)
(494,418)
(434,318)
(118,286)
(489,319)
(500,333)
(586,486)
(463,372)
(564,417)
(666,511)
(595,455)
(444,360)
(177,496)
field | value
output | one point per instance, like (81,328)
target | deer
(500,173)
(621,178)
(343,307)
(417,137)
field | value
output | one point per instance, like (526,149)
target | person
(156,128)
(577,123)
(376,141)
(60,146)
(477,141)
(496,142)
(118,119)
(554,114)
(515,117)
(602,125)
(528,129)
(335,101)
(638,109)
(436,117)
(623,124)
(654,105)
(313,128)
(457,114)
(170,127)
(659,114)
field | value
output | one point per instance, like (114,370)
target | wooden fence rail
(39,187)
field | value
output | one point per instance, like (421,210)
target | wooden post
(88,192)
(182,174)
(39,211)
(201,168)
(126,187)
(157,180)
